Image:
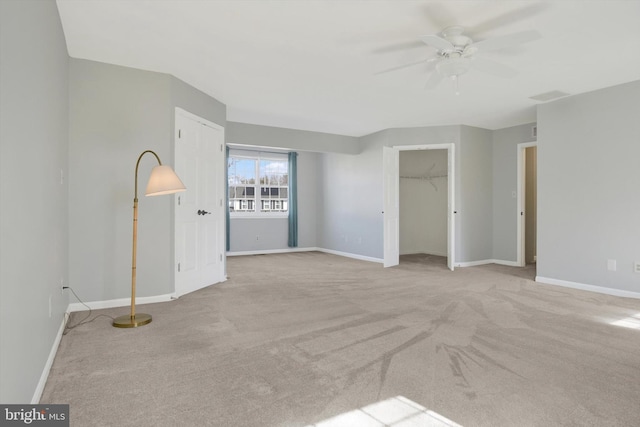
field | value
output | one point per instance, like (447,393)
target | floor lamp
(163,180)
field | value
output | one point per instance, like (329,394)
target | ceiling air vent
(548,96)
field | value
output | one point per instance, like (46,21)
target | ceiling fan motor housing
(455,36)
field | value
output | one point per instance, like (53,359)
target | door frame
(221,244)
(391,206)
(520,209)
(391,238)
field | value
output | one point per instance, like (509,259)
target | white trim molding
(313,249)
(121,302)
(272,251)
(432,253)
(350,255)
(590,288)
(47,366)
(507,263)
(487,261)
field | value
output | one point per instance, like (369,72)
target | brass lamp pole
(163,180)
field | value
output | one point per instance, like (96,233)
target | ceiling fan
(457,52)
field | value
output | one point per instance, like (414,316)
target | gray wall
(350,199)
(351,194)
(505,179)
(273,232)
(274,137)
(588,178)
(115,114)
(259,234)
(475,210)
(196,102)
(33,224)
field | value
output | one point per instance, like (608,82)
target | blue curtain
(293,200)
(226,193)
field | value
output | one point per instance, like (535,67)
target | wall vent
(534,131)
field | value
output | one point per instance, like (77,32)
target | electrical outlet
(62,285)
(611,265)
(636,266)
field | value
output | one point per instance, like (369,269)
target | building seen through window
(258,183)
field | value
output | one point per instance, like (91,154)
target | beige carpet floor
(315,339)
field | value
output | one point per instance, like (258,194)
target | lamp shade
(163,180)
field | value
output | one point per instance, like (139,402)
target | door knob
(202,212)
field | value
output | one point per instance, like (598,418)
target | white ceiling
(312,64)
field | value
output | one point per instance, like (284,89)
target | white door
(391,205)
(199,211)
(451,219)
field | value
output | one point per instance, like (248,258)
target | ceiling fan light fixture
(451,67)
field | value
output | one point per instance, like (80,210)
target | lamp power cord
(84,321)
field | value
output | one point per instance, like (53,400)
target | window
(258,183)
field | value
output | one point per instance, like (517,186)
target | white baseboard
(121,302)
(590,288)
(473,263)
(271,251)
(507,263)
(425,253)
(290,250)
(487,261)
(350,255)
(47,366)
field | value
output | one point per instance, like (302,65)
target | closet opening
(427,171)
(527,204)
(423,206)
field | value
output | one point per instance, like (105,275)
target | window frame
(257,157)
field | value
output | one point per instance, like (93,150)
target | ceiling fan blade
(400,67)
(398,46)
(492,67)
(503,42)
(508,18)
(434,80)
(437,42)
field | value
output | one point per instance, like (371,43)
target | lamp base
(127,321)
